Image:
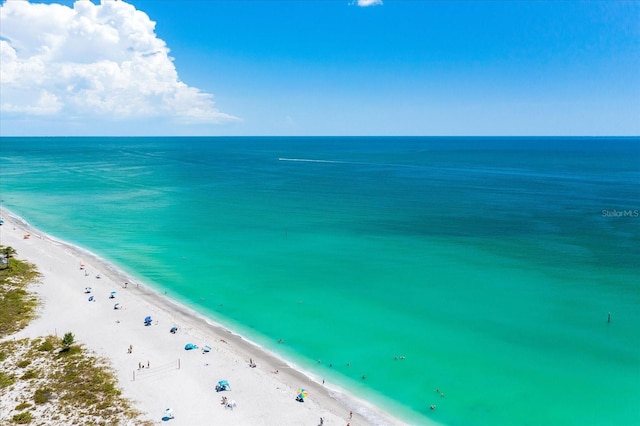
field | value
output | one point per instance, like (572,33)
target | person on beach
(148,365)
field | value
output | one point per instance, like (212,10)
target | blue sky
(294,67)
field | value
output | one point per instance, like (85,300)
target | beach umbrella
(190,346)
(116,306)
(173,330)
(168,413)
(302,394)
(223,385)
(91,299)
(147,319)
(87,289)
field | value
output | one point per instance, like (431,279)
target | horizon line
(320,136)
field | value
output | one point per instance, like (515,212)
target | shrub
(24,363)
(22,406)
(22,418)
(46,346)
(30,374)
(6,379)
(68,340)
(42,396)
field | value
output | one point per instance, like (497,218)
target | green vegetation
(42,395)
(6,379)
(7,253)
(24,363)
(17,306)
(49,372)
(22,418)
(75,380)
(22,406)
(68,340)
(29,374)
(47,345)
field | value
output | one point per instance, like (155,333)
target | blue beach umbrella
(223,385)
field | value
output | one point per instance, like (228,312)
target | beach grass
(48,380)
(17,305)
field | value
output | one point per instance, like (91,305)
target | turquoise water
(486,266)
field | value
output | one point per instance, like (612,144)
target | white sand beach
(172,377)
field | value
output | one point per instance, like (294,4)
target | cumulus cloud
(92,60)
(365,3)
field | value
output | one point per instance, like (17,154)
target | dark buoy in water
(609,318)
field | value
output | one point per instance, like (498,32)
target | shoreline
(263,396)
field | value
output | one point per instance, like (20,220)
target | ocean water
(485,268)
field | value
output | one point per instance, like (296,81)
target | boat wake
(310,160)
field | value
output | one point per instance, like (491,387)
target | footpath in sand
(152,366)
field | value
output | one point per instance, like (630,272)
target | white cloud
(365,3)
(92,60)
